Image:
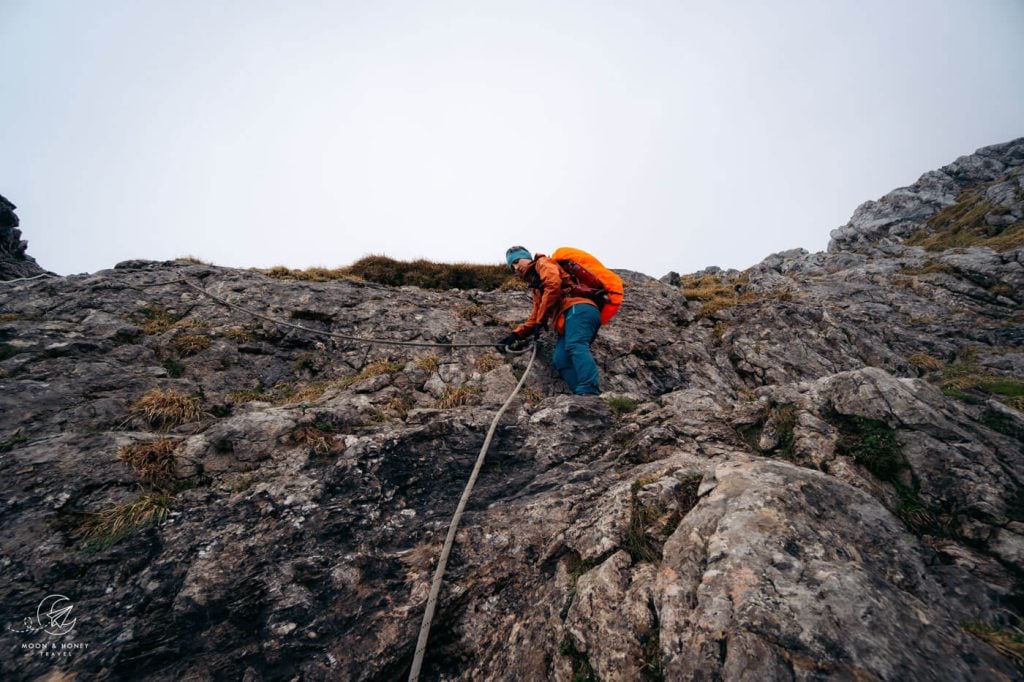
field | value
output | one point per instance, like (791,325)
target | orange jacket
(550,284)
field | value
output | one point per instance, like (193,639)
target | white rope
(26,279)
(435,586)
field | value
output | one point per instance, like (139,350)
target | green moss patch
(784,417)
(621,404)
(968,381)
(871,443)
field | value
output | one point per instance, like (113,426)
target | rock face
(809,470)
(14,262)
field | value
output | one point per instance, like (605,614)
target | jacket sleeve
(547,300)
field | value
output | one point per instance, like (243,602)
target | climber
(575,318)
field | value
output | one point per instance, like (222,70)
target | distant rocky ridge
(880,227)
(14,262)
(812,469)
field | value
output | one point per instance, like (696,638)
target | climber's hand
(506,342)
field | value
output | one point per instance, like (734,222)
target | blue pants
(572,356)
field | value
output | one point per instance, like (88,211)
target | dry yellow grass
(926,362)
(421,273)
(1007,641)
(485,363)
(237,334)
(513,284)
(963,224)
(319,441)
(721,292)
(374,369)
(429,363)
(167,408)
(153,461)
(456,396)
(305,393)
(532,396)
(190,344)
(399,405)
(157,320)
(104,528)
(247,396)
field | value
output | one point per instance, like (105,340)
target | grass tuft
(1003,423)
(926,362)
(962,224)
(621,404)
(237,334)
(421,273)
(429,363)
(785,422)
(871,443)
(1009,642)
(929,268)
(374,369)
(718,292)
(153,461)
(399,405)
(650,657)
(456,396)
(167,408)
(110,526)
(174,368)
(641,517)
(783,416)
(320,441)
(968,381)
(532,396)
(157,320)
(248,395)
(190,344)
(487,362)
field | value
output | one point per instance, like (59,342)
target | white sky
(657,135)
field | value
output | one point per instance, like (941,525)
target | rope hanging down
(442,562)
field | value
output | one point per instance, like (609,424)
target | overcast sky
(657,135)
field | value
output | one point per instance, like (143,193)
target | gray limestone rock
(814,473)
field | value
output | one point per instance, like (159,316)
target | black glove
(507,341)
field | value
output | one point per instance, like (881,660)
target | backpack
(591,280)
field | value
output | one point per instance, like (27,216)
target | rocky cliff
(14,262)
(808,470)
